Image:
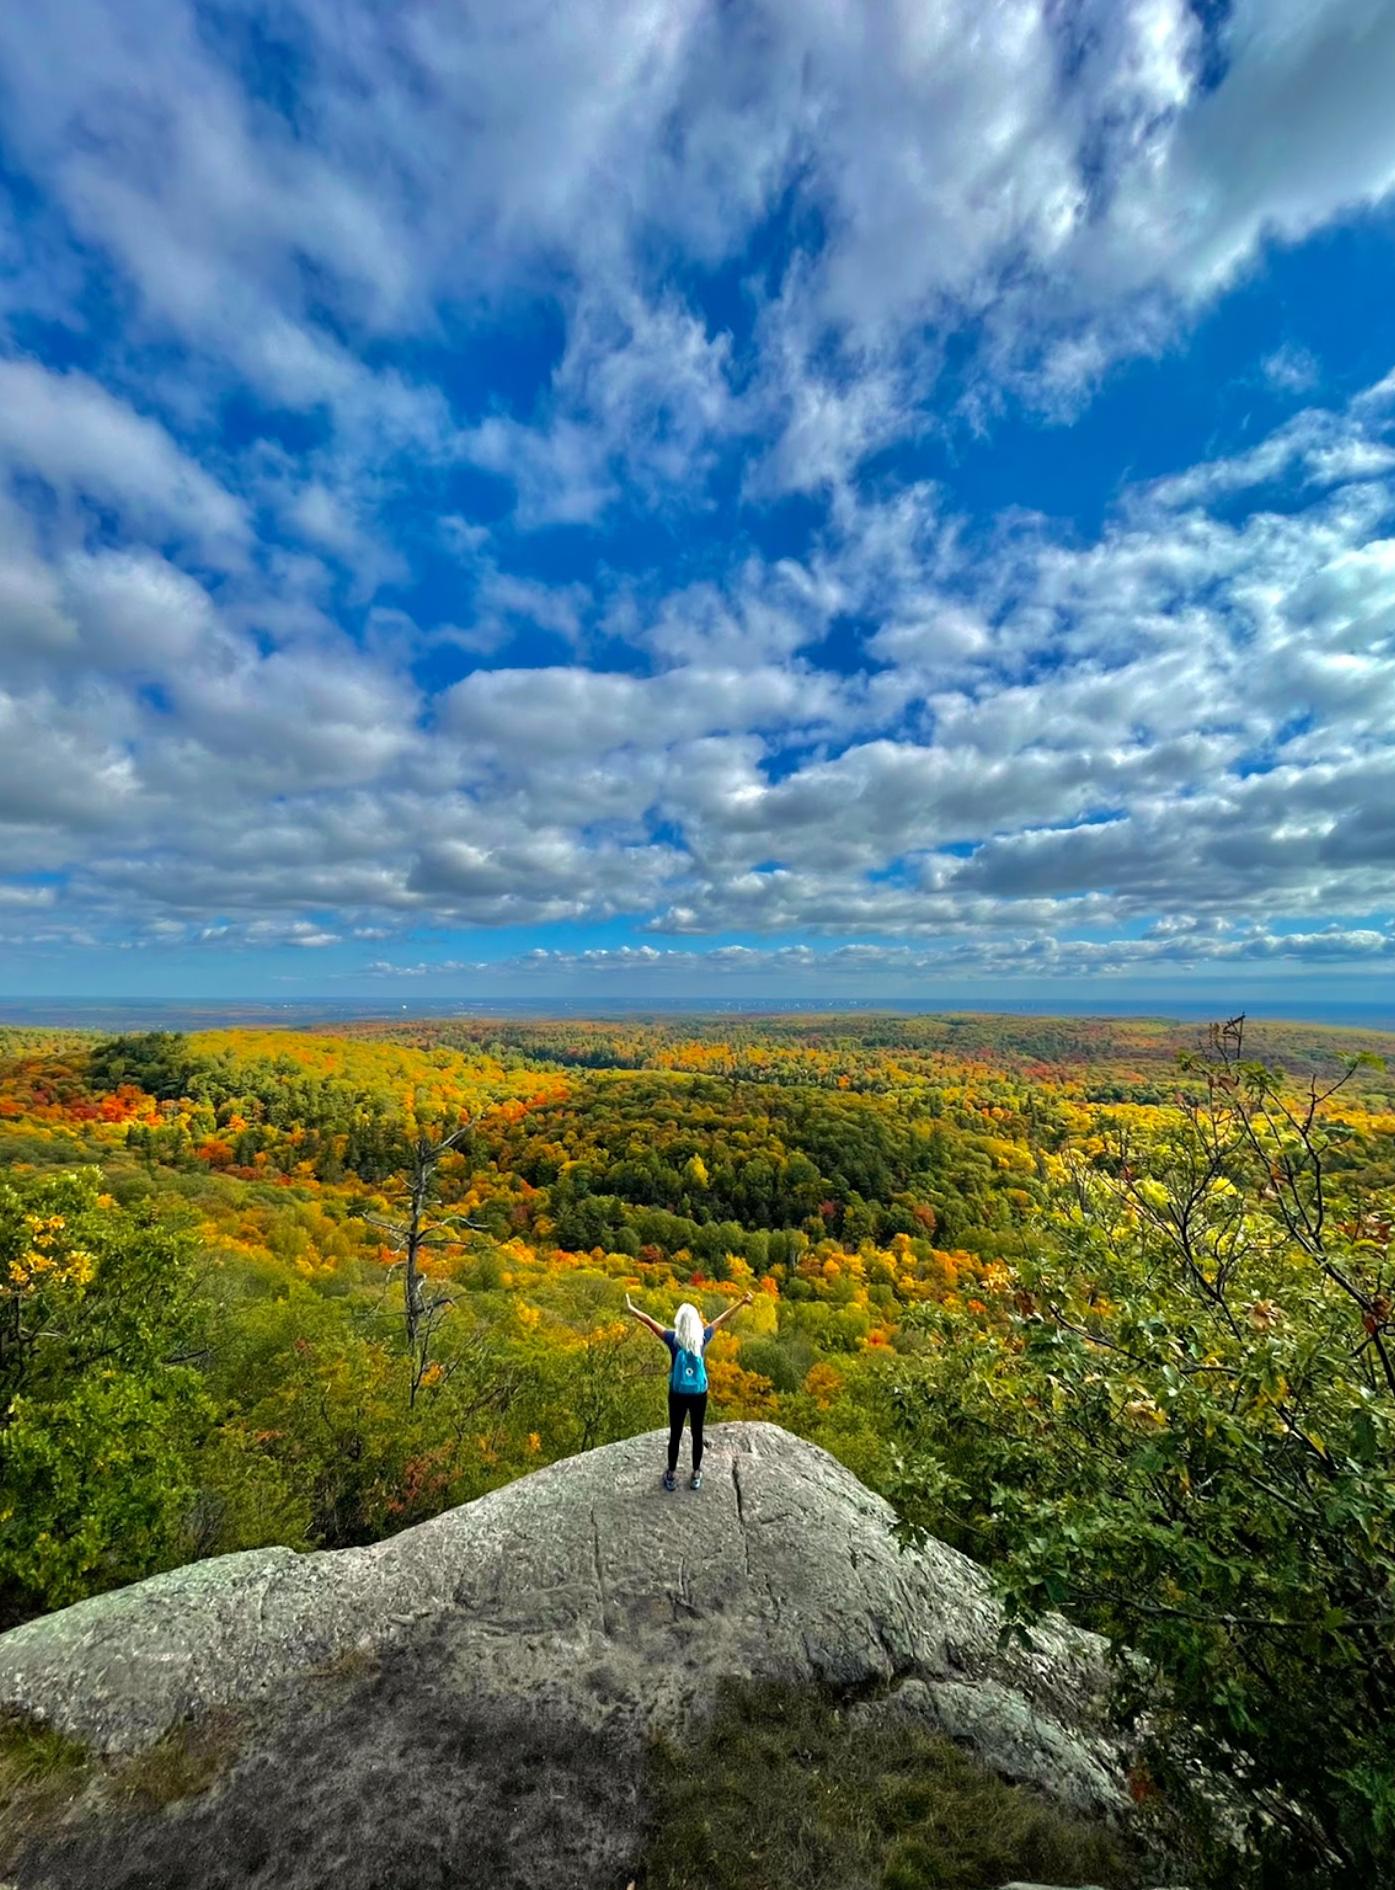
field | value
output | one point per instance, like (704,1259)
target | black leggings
(689,1404)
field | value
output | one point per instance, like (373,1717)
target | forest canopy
(1108,1304)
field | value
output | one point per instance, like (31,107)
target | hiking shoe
(670,1480)
(696,1483)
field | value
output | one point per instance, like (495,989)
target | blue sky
(653,499)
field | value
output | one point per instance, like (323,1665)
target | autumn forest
(1106,1303)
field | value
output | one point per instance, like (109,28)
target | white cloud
(1318,448)
(1186,716)
(1223,184)
(87,445)
(638,404)
(750,240)
(135,611)
(1291,369)
(64,768)
(1067,176)
(897,971)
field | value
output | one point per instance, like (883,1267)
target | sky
(661,499)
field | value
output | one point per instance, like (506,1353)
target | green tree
(1180,1427)
(102,1406)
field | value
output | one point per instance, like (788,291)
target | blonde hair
(687,1328)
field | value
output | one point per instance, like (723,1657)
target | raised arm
(735,1307)
(643,1318)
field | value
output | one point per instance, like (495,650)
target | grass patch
(41,1772)
(181,1765)
(780,1792)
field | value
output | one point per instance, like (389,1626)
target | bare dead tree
(424,1303)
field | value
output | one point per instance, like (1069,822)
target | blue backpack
(689,1373)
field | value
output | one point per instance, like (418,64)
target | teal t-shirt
(688,1372)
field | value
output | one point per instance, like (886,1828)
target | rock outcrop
(479,1686)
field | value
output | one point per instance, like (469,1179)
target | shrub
(1177,1422)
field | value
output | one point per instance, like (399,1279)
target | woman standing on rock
(687,1339)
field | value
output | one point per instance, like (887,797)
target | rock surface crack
(601,1593)
(741,1519)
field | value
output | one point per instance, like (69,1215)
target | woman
(687,1339)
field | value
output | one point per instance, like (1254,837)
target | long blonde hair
(687,1328)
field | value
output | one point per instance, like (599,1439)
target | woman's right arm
(730,1312)
(643,1318)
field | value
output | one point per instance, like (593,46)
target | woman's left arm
(636,1313)
(735,1307)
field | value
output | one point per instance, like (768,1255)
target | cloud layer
(462,473)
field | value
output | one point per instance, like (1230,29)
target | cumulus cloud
(314,628)
(1039,169)
(890,971)
(68,431)
(1184,717)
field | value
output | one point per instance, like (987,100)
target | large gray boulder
(553,1626)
